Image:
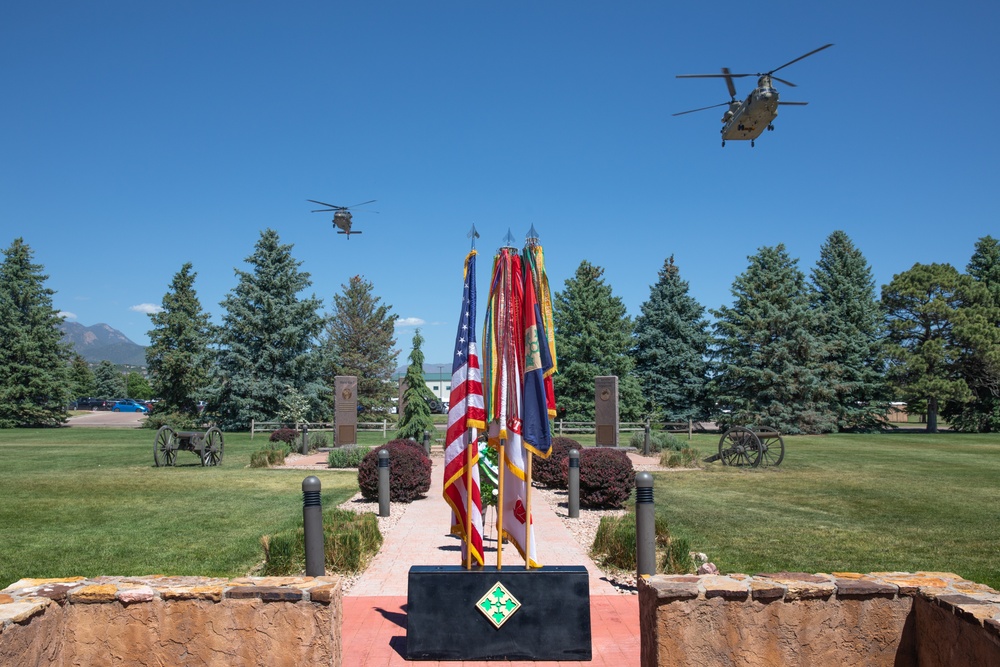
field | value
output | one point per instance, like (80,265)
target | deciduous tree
(34,370)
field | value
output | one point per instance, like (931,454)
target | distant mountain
(102,342)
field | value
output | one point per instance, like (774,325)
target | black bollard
(645,440)
(383,483)
(574,484)
(427,442)
(645,525)
(312,521)
(305,439)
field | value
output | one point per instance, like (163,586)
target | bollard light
(383,482)
(312,522)
(645,525)
(574,484)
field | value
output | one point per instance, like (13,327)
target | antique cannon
(207,445)
(751,446)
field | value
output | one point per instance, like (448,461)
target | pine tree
(852,328)
(178,354)
(981,363)
(359,339)
(416,417)
(671,346)
(939,327)
(34,370)
(593,337)
(769,354)
(267,341)
(81,377)
(108,381)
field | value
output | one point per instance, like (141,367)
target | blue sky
(135,137)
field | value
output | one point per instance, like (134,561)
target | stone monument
(606,410)
(346,409)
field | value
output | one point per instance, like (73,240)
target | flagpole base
(489,614)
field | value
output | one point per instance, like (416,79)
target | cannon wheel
(739,446)
(165,447)
(211,447)
(772,448)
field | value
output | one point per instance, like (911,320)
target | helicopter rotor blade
(371,201)
(787,83)
(825,46)
(323,203)
(729,82)
(794,104)
(713,76)
(724,104)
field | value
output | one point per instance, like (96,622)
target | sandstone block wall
(896,619)
(171,621)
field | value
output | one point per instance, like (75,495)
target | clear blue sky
(136,136)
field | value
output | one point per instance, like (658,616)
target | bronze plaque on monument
(346,409)
(606,410)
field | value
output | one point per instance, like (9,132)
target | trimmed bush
(409,472)
(350,541)
(552,472)
(348,456)
(285,435)
(265,458)
(685,458)
(606,477)
(615,546)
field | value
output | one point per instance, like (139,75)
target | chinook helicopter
(748,119)
(341,215)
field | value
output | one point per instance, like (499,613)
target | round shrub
(285,435)
(606,477)
(409,472)
(552,472)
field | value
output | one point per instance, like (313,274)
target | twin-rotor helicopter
(749,118)
(341,215)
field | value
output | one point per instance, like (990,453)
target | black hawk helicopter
(748,119)
(341,215)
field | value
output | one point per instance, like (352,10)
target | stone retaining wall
(896,619)
(160,620)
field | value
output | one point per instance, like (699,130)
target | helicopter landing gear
(770,128)
(723,143)
(751,143)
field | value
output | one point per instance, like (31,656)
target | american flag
(466,416)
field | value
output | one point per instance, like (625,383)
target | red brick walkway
(374,629)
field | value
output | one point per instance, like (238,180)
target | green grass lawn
(859,503)
(86,501)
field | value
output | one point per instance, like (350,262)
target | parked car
(128,405)
(93,404)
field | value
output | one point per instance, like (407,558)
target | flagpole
(468,500)
(527,530)
(502,458)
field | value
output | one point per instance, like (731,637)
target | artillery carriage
(207,445)
(751,447)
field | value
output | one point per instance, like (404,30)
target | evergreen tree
(981,368)
(416,417)
(941,324)
(81,378)
(108,381)
(852,328)
(670,348)
(267,341)
(593,337)
(769,354)
(178,354)
(136,386)
(359,339)
(34,370)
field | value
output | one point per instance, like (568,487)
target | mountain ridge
(102,342)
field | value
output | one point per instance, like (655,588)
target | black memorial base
(489,614)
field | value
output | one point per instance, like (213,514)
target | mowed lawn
(855,503)
(87,501)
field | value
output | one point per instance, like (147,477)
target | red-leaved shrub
(409,472)
(551,472)
(606,477)
(285,435)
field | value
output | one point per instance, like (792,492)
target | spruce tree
(267,341)
(670,347)
(941,324)
(34,363)
(852,328)
(108,381)
(358,340)
(593,338)
(81,377)
(178,355)
(416,417)
(768,352)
